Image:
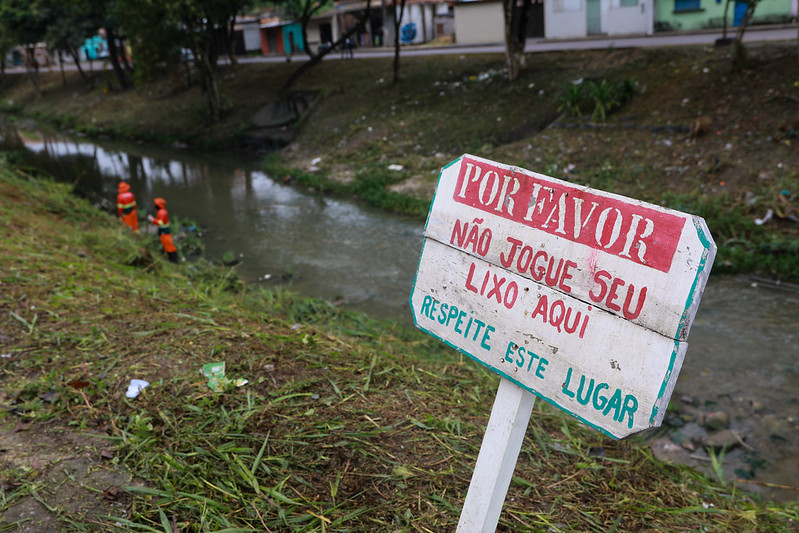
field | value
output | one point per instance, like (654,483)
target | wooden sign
(582,297)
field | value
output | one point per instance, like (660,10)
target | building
(701,14)
(565,19)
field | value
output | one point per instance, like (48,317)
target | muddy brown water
(743,355)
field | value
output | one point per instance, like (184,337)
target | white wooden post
(497,459)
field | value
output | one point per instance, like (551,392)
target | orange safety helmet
(124,187)
(160,203)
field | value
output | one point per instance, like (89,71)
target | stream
(738,385)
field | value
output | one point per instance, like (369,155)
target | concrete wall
(621,20)
(252,37)
(481,22)
(564,19)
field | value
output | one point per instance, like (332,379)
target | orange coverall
(126,207)
(161,221)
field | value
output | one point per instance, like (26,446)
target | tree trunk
(230,31)
(308,11)
(76,58)
(32,67)
(739,54)
(61,66)
(397,24)
(724,30)
(210,88)
(113,55)
(514,50)
(305,67)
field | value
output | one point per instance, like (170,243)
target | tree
(397,24)
(316,58)
(515,35)
(7,43)
(155,38)
(105,14)
(739,51)
(67,26)
(205,27)
(304,10)
(27,29)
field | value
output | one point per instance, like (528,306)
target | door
(535,20)
(740,11)
(593,17)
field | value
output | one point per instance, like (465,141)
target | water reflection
(331,248)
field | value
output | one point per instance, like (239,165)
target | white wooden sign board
(581,297)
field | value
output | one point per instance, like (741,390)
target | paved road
(754,34)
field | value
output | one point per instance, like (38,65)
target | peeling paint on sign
(582,297)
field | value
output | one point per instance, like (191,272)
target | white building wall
(313,35)
(252,37)
(618,20)
(564,19)
(423,16)
(481,22)
(445,19)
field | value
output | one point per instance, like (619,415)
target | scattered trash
(395,167)
(49,397)
(5,356)
(766,217)
(111,493)
(107,454)
(135,387)
(316,160)
(217,382)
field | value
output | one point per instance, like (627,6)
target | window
(687,5)
(629,3)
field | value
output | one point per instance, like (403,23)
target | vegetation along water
(349,423)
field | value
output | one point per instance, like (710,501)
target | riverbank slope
(685,130)
(345,423)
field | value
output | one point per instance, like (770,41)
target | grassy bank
(686,131)
(346,424)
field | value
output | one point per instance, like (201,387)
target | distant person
(349,47)
(126,207)
(161,221)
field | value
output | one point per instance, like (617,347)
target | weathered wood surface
(496,462)
(664,252)
(584,344)
(587,310)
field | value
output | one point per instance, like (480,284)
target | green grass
(346,424)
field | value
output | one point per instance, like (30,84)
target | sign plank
(644,262)
(582,297)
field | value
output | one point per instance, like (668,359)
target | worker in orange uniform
(161,221)
(126,207)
